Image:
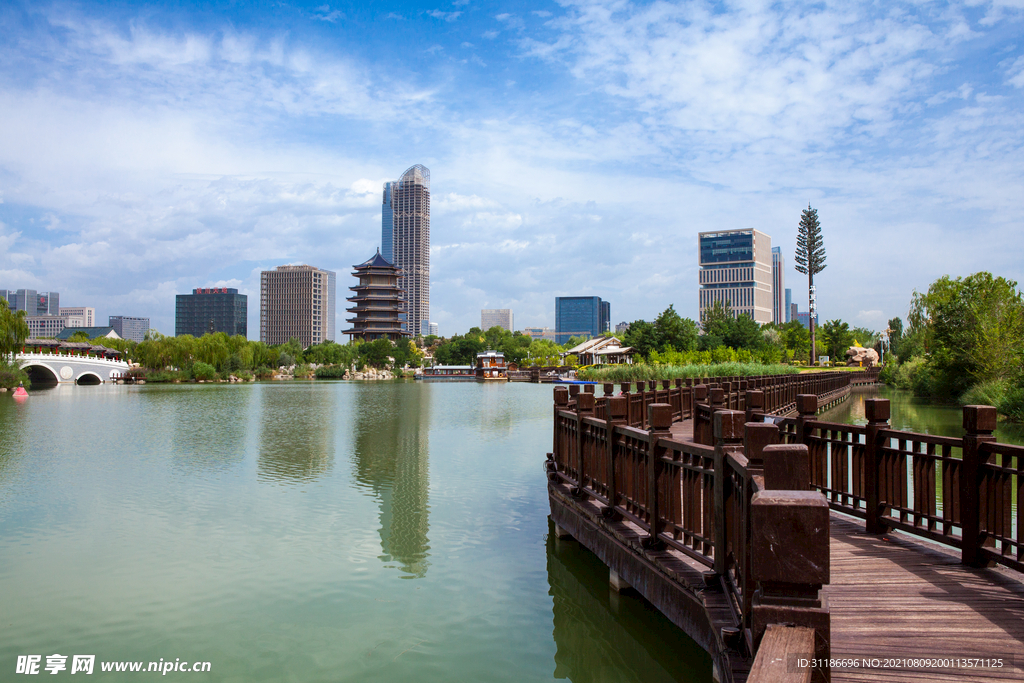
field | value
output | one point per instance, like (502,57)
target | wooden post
(877,412)
(786,467)
(659,418)
(728,435)
(790,564)
(700,395)
(754,406)
(584,409)
(979,423)
(617,409)
(561,403)
(806,408)
(609,388)
(756,437)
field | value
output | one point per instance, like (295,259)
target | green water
(913,414)
(306,531)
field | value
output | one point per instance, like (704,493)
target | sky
(575,148)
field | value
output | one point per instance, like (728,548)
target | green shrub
(303,371)
(991,393)
(641,372)
(159,376)
(203,371)
(331,372)
(1012,403)
(11,375)
(264,372)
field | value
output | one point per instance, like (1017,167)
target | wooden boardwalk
(894,596)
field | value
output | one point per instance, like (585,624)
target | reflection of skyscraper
(392,459)
(405,242)
(296,433)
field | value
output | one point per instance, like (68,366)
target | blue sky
(575,148)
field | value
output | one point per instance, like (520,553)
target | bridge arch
(88,378)
(41,374)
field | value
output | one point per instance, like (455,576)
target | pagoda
(377,302)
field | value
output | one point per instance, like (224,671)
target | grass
(641,371)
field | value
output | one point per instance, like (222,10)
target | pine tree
(810,260)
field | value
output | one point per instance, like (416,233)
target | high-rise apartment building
(496,317)
(32,302)
(297,301)
(377,302)
(581,316)
(736,268)
(778,286)
(86,313)
(211,309)
(405,242)
(128,327)
(789,304)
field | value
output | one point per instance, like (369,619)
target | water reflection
(634,641)
(296,432)
(392,451)
(209,424)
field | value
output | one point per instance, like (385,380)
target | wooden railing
(959,491)
(753,523)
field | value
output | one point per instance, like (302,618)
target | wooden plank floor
(892,596)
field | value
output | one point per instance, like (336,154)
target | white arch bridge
(50,368)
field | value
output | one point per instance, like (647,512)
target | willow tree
(810,260)
(13,330)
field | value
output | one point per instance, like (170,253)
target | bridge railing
(718,504)
(959,491)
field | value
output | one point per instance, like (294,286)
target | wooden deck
(895,596)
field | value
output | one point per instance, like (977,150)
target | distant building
(405,242)
(804,318)
(91,332)
(539,333)
(45,326)
(32,302)
(789,305)
(211,309)
(778,286)
(432,329)
(496,317)
(622,328)
(86,313)
(377,302)
(736,268)
(580,316)
(297,301)
(128,327)
(792,312)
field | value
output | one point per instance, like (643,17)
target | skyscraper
(778,286)
(405,242)
(32,302)
(736,268)
(580,316)
(129,327)
(297,301)
(496,317)
(211,309)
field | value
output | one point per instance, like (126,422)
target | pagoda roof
(376,261)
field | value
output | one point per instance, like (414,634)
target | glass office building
(778,286)
(736,268)
(211,309)
(581,316)
(405,242)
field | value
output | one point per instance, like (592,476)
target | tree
(673,333)
(895,331)
(810,260)
(641,337)
(837,338)
(716,321)
(744,333)
(13,330)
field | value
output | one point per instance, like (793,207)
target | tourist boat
(491,366)
(448,373)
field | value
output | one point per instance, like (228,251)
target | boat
(448,373)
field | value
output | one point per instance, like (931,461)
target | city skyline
(147,152)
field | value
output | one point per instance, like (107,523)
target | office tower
(789,304)
(432,329)
(377,302)
(804,317)
(88,314)
(297,301)
(736,268)
(32,302)
(211,309)
(128,327)
(496,317)
(778,286)
(46,326)
(405,242)
(580,316)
